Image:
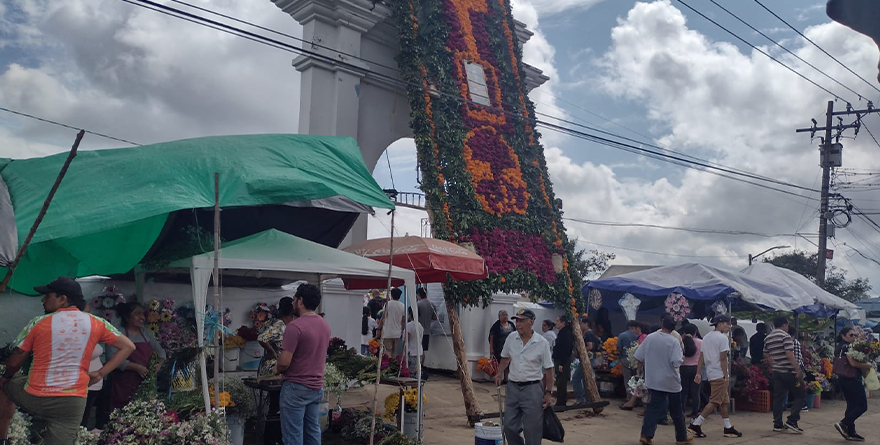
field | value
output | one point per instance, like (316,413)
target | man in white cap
(529,383)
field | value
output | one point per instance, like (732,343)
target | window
(476,78)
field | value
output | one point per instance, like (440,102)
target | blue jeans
(661,403)
(579,384)
(299,414)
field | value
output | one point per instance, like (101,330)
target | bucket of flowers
(411,403)
(488,366)
(232,345)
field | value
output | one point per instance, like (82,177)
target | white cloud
(550,7)
(118,69)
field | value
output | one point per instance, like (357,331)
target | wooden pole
(382,343)
(21,251)
(472,408)
(217,332)
(592,389)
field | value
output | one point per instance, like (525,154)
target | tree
(835,279)
(589,264)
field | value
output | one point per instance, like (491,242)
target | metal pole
(382,343)
(826,181)
(11,267)
(217,332)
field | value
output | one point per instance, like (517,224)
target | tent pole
(11,267)
(382,343)
(217,332)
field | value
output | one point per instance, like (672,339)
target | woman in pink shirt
(688,370)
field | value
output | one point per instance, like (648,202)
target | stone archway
(348,98)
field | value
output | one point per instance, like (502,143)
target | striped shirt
(775,346)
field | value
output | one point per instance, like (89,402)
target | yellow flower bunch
(225,400)
(410,397)
(610,348)
(392,402)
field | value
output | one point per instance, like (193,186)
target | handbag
(872,383)
(553,430)
(842,368)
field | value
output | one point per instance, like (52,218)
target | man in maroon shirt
(303,355)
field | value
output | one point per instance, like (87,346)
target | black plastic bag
(553,430)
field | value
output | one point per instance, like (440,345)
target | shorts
(56,419)
(720,394)
(391,346)
(426,341)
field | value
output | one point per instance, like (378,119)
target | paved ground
(445,421)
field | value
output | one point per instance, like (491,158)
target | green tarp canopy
(113,204)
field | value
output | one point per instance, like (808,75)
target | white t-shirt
(393,316)
(414,331)
(371,324)
(95,364)
(714,344)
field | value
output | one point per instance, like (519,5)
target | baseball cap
(720,319)
(522,314)
(62,286)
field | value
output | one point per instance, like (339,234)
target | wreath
(677,306)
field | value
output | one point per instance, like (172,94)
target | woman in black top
(849,380)
(498,334)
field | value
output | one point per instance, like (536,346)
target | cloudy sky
(653,71)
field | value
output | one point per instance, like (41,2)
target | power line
(49,121)
(229,29)
(683,229)
(872,134)
(817,46)
(784,48)
(657,253)
(759,50)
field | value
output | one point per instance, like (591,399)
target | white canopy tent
(800,287)
(278,255)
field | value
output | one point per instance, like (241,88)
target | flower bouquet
(410,399)
(233,342)
(865,351)
(631,361)
(488,366)
(638,388)
(247,333)
(336,345)
(814,387)
(617,370)
(373,346)
(335,382)
(610,349)
(261,314)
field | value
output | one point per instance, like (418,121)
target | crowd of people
(686,375)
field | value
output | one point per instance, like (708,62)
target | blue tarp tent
(702,285)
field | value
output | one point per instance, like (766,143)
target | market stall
(276,254)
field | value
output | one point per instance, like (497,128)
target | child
(414,331)
(368,326)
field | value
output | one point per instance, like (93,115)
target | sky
(653,71)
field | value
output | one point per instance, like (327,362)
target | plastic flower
(154,305)
(153,327)
(96,302)
(165,317)
(153,317)
(109,303)
(168,303)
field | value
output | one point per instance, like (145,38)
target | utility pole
(826,183)
(830,155)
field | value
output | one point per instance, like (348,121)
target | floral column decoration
(484,172)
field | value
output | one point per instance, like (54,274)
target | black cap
(522,314)
(720,319)
(62,286)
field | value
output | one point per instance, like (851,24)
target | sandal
(626,408)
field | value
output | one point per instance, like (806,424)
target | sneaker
(696,430)
(805,410)
(732,432)
(842,430)
(690,439)
(778,428)
(855,437)
(645,440)
(793,426)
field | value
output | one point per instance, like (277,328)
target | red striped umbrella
(431,259)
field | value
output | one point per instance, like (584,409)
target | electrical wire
(760,50)
(49,121)
(173,12)
(682,229)
(608,246)
(816,45)
(860,96)
(870,133)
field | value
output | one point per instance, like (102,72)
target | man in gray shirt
(426,315)
(661,354)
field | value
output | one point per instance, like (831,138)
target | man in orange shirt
(54,392)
